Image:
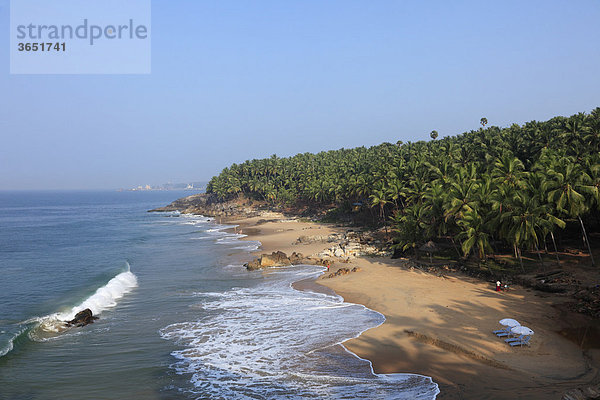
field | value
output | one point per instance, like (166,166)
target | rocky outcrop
(334,237)
(348,245)
(343,271)
(350,249)
(590,392)
(82,318)
(275,259)
(210,205)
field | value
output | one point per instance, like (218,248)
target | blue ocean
(179,316)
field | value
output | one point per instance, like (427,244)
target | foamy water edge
(232,238)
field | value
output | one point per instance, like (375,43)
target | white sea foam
(171,213)
(196,216)
(7,348)
(104,298)
(218,229)
(248,246)
(10,344)
(272,341)
(187,219)
(230,238)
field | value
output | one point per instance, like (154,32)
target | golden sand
(440,325)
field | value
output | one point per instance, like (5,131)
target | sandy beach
(440,325)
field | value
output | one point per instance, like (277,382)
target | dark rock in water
(275,259)
(82,318)
(253,265)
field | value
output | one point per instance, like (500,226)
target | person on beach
(327,266)
(498,286)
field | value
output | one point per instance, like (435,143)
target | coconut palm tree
(474,235)
(461,193)
(379,198)
(509,170)
(567,182)
(411,225)
(521,181)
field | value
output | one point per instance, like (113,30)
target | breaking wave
(273,341)
(15,338)
(43,328)
(104,298)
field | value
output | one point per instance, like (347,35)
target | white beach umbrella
(509,322)
(521,330)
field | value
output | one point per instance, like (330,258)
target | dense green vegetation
(491,188)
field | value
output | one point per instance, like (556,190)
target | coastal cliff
(209,205)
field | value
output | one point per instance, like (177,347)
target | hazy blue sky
(234,80)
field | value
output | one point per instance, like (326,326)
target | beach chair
(503,332)
(513,339)
(521,341)
(508,324)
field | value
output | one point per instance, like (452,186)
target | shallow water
(179,316)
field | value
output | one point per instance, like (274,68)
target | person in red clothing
(498,286)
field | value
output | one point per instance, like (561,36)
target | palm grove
(488,190)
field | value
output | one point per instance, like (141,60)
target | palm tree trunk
(586,240)
(555,249)
(486,263)
(540,257)
(520,258)
(455,247)
(385,223)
